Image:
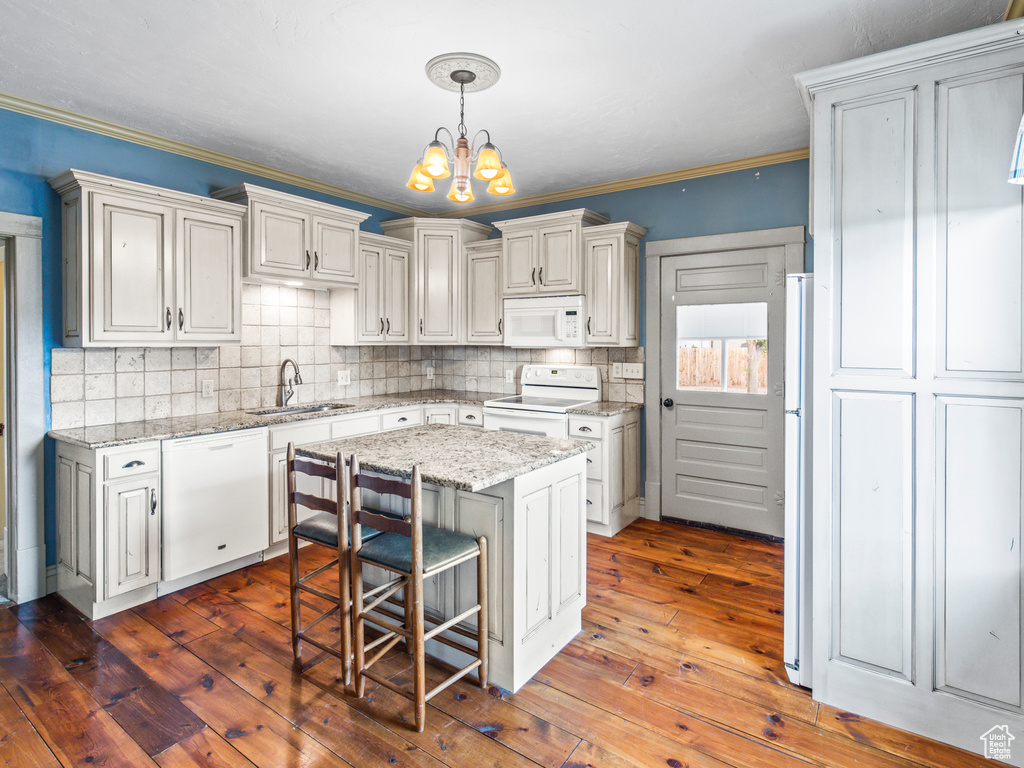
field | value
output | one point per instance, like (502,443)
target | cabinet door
(438,291)
(558,264)
(631,462)
(602,290)
(334,251)
(131,271)
(370,295)
(133,535)
(76,520)
(483,298)
(208,283)
(520,263)
(439,414)
(396,295)
(615,476)
(629,293)
(280,244)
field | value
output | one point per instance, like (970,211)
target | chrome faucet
(287,391)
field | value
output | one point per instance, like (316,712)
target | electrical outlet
(344,377)
(207,387)
(430,373)
(632,370)
(510,376)
(616,370)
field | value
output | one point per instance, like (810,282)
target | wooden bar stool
(412,551)
(328,528)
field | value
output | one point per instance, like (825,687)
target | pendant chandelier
(462,72)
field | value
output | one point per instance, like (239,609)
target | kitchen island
(527,495)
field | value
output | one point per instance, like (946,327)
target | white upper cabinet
(145,266)
(542,254)
(483,292)
(378,311)
(611,256)
(438,275)
(294,238)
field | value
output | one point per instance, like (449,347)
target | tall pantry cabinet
(919,415)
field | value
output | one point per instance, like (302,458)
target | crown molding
(635,183)
(94,125)
(1014,10)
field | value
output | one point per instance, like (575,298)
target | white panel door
(396,295)
(483,296)
(281,241)
(133,535)
(601,257)
(519,257)
(722,447)
(208,279)
(132,271)
(918,517)
(370,295)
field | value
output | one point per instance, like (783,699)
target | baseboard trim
(724,529)
(51,579)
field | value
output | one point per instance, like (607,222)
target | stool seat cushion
(323,529)
(440,547)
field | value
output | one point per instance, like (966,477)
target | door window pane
(723,347)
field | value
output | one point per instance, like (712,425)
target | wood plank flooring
(678,664)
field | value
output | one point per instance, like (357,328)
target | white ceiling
(591,91)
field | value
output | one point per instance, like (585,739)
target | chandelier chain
(462,110)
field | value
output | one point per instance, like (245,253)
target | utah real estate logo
(997,742)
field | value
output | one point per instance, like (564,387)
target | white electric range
(546,394)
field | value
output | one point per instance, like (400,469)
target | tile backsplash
(105,386)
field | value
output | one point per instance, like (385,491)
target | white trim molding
(26,406)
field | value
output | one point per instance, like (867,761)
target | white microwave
(545,321)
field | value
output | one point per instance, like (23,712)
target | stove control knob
(578,374)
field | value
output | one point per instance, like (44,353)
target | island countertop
(465,458)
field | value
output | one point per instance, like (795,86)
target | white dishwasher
(215,492)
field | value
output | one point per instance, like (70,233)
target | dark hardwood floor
(679,664)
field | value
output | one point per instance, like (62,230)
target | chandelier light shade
(462,72)
(1017,164)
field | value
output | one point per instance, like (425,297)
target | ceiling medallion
(440,68)
(462,72)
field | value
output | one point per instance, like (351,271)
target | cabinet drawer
(471,416)
(407,417)
(308,432)
(596,511)
(595,464)
(593,430)
(358,425)
(140,461)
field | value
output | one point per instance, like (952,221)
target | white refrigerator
(796,644)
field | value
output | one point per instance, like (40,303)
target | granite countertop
(605,408)
(108,435)
(464,458)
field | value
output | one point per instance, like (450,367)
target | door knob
(667,402)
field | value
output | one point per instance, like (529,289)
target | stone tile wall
(104,386)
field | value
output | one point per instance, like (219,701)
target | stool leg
(481,618)
(293,578)
(419,650)
(358,643)
(345,616)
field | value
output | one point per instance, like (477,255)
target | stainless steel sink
(288,410)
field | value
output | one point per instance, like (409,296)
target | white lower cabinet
(440,414)
(613,469)
(108,526)
(471,415)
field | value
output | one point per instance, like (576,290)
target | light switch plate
(344,377)
(207,387)
(616,370)
(510,376)
(632,370)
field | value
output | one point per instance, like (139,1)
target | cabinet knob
(585,429)
(382,325)
(589,503)
(152,501)
(499,326)
(316,261)
(470,417)
(404,418)
(307,259)
(421,325)
(181,319)
(135,463)
(168,318)
(540,275)
(388,321)
(533,277)
(588,326)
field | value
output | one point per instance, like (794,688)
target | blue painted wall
(33,150)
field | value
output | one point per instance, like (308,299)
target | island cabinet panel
(480,514)
(536,597)
(570,544)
